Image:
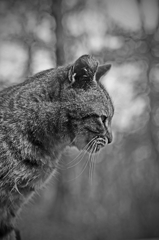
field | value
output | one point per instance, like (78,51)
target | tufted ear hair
(102,70)
(82,72)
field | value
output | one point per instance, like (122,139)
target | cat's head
(87,106)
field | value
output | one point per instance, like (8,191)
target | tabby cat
(38,119)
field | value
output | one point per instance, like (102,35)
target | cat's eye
(103,118)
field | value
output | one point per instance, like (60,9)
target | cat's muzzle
(101,142)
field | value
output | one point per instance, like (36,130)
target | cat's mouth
(96,144)
(101,142)
(91,146)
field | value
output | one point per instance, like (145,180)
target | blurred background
(122,200)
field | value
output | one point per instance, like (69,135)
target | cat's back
(31,84)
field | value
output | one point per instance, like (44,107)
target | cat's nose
(109,134)
(109,137)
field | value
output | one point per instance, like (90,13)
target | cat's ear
(82,72)
(102,70)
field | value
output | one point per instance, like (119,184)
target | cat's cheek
(80,142)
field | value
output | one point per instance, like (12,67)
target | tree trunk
(56,12)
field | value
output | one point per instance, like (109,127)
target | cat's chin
(96,150)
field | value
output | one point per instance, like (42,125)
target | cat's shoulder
(32,81)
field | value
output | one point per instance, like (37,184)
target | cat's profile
(38,119)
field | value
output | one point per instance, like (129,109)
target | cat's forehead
(103,106)
(99,101)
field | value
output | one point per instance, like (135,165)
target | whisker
(90,166)
(81,171)
(63,166)
(92,163)
(81,152)
(80,159)
(71,164)
(91,155)
(80,156)
(84,153)
(91,143)
(97,156)
(76,158)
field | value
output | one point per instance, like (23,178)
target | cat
(38,119)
